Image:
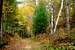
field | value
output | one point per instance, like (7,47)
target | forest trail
(21,44)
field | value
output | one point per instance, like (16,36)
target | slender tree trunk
(36,2)
(0,13)
(59,14)
(1,36)
(74,6)
(68,15)
(52,18)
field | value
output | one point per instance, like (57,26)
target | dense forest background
(46,24)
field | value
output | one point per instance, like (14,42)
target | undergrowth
(51,47)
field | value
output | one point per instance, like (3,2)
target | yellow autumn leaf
(27,10)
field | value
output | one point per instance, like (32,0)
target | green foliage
(8,17)
(22,31)
(40,21)
(51,47)
(11,19)
(9,13)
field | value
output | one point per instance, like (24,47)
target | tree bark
(0,12)
(52,18)
(68,15)
(1,35)
(59,14)
(74,6)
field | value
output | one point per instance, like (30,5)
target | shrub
(40,21)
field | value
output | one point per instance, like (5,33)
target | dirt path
(21,44)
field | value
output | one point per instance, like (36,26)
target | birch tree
(59,14)
(52,17)
(50,11)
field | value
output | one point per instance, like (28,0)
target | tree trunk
(74,6)
(59,14)
(1,36)
(0,11)
(52,18)
(68,15)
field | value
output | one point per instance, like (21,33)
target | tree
(68,15)
(74,5)
(52,18)
(9,13)
(59,14)
(40,21)
(1,35)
